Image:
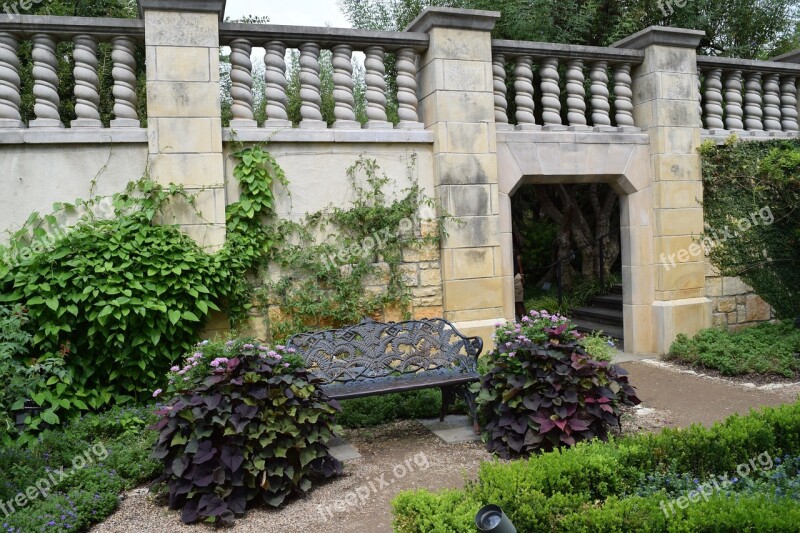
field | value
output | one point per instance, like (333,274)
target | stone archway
(621,161)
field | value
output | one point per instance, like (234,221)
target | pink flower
(248,346)
(174,368)
(512,354)
(286,365)
(157,392)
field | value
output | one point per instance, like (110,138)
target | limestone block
(461,169)
(645,89)
(756,309)
(467,200)
(678,194)
(472,315)
(733,286)
(465,76)
(210,237)
(171,28)
(473,232)
(660,58)
(457,106)
(675,249)
(741,313)
(430,277)
(435,311)
(711,269)
(471,263)
(676,86)
(644,113)
(733,317)
(679,316)
(505,213)
(726,305)
(193,171)
(719,320)
(684,167)
(681,276)
(685,221)
(466,138)
(682,113)
(457,43)
(429,301)
(393,313)
(426,252)
(480,330)
(217,320)
(179,99)
(713,286)
(637,245)
(380,276)
(639,284)
(180,63)
(473,294)
(636,176)
(171,135)
(637,209)
(638,328)
(509,305)
(410,275)
(675,140)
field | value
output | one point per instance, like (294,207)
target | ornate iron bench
(374,358)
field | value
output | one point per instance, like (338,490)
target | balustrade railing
(595,80)
(342,43)
(748,97)
(45,33)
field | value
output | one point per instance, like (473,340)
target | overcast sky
(292,12)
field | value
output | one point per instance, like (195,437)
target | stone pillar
(184,115)
(457,104)
(665,105)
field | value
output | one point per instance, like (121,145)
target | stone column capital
(661,35)
(192,6)
(448,17)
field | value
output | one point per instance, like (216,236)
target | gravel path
(405,455)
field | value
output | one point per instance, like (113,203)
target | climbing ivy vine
(757,182)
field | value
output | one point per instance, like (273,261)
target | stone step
(588,326)
(608,301)
(601,315)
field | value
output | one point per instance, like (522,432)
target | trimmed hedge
(585,488)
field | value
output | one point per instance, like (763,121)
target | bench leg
(469,398)
(448,395)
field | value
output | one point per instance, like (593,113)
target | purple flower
(248,346)
(286,365)
(157,392)
(174,368)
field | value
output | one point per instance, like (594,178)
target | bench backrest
(376,349)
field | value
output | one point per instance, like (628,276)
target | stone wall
(734,303)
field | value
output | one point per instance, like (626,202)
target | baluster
(752,101)
(523,86)
(499,88)
(551,94)
(10,98)
(623,106)
(772,103)
(789,103)
(275,86)
(407,89)
(124,74)
(87,84)
(599,92)
(733,100)
(242,84)
(699,92)
(311,106)
(45,86)
(375,72)
(713,96)
(342,61)
(576,95)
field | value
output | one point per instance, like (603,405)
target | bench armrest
(477,345)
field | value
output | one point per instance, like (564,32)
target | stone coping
(194,6)
(789,57)
(722,136)
(323,36)
(747,65)
(573,137)
(449,17)
(72,135)
(567,51)
(661,35)
(298,135)
(70,26)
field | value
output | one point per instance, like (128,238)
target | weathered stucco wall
(35,176)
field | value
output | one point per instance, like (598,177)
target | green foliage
(599,346)
(332,253)
(543,390)
(762,349)
(246,425)
(376,410)
(116,299)
(593,486)
(115,448)
(752,190)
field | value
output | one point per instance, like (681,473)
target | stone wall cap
(662,35)
(197,6)
(449,17)
(789,57)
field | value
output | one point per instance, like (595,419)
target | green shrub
(247,423)
(599,346)
(762,349)
(543,390)
(593,486)
(375,410)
